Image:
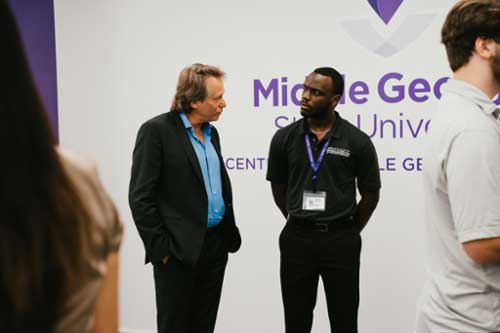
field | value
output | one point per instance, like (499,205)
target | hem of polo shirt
(483,233)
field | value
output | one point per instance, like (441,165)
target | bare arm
(279,195)
(106,310)
(484,251)
(365,208)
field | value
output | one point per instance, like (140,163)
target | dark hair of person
(43,223)
(337,79)
(467,21)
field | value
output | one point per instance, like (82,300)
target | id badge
(314,200)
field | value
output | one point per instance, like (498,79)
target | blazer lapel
(187,146)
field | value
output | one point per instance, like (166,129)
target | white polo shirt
(462,203)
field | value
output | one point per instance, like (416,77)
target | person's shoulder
(158,120)
(288,130)
(162,124)
(456,113)
(81,171)
(77,164)
(455,104)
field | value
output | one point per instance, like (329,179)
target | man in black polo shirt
(314,166)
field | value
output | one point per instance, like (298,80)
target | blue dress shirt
(210,169)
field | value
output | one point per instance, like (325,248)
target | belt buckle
(324,227)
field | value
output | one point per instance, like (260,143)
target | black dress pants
(187,299)
(308,253)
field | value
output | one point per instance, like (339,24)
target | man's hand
(165,260)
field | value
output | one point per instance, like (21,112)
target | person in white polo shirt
(462,180)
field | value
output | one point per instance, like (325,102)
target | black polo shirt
(349,160)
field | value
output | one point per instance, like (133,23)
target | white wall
(118,62)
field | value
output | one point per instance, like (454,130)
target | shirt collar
(469,91)
(334,132)
(187,124)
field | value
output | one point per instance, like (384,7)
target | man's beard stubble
(318,115)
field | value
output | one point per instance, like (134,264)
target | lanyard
(315,164)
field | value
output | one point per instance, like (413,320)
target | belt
(323,226)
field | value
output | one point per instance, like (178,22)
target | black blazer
(167,194)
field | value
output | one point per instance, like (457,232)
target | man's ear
(195,105)
(485,48)
(336,100)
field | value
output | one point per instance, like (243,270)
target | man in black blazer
(181,201)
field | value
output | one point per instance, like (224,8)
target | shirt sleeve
(473,182)
(367,169)
(277,163)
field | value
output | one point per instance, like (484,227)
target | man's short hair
(337,79)
(192,86)
(467,21)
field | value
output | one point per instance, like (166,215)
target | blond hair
(192,87)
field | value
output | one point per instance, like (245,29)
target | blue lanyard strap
(315,164)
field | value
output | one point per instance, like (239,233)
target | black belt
(323,226)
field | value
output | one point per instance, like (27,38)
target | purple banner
(35,19)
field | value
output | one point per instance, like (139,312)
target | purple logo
(385,8)
(387,42)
